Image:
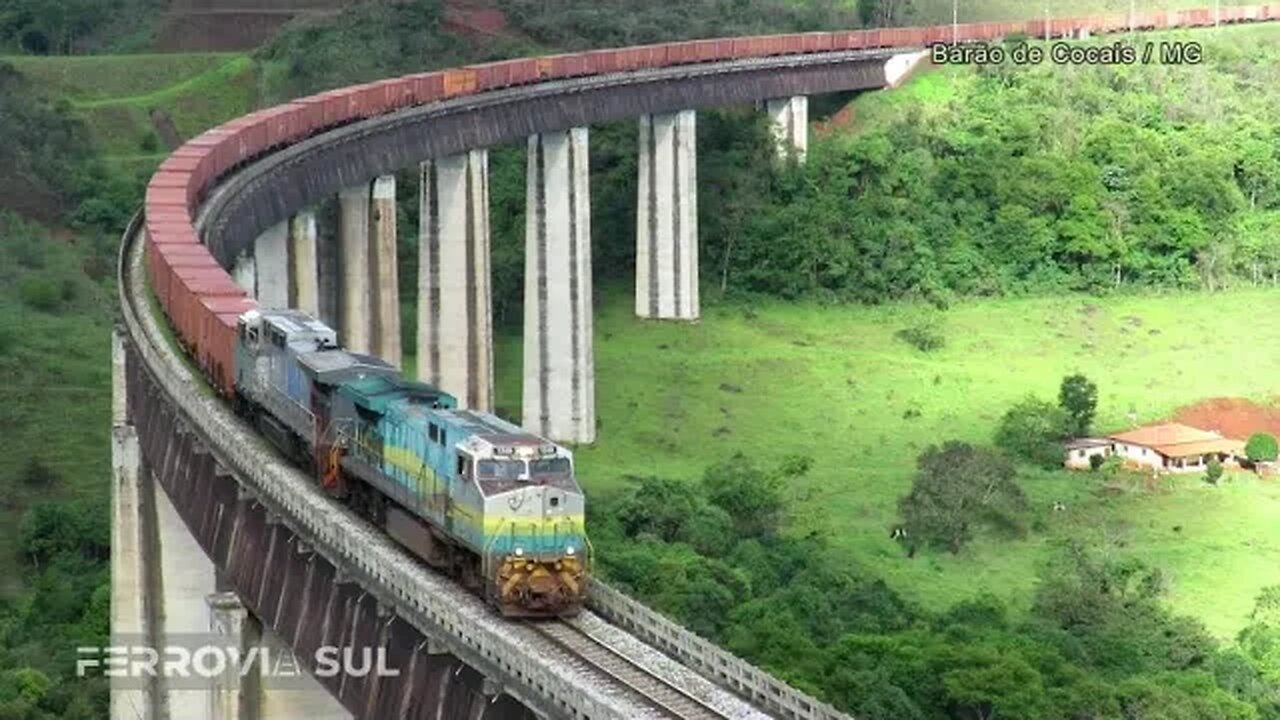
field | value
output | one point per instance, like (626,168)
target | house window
(1079,453)
(433,432)
(1144,451)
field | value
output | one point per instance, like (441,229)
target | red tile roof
(1177,440)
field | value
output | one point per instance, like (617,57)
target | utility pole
(1046,21)
(1217,12)
(1132,12)
(955,21)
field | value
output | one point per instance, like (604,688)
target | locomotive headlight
(519,552)
(569,550)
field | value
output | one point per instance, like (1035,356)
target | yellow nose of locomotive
(528,586)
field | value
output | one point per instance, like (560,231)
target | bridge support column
(559,372)
(455,311)
(304,265)
(899,68)
(353,259)
(245,273)
(187,577)
(271,256)
(128,585)
(386,277)
(667,217)
(789,118)
(234,695)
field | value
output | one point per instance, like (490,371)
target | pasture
(834,383)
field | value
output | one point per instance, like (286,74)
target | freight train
(480,500)
(466,491)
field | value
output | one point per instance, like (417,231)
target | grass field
(834,383)
(55,401)
(116,95)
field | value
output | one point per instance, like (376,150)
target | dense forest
(998,182)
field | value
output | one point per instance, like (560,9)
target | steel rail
(663,694)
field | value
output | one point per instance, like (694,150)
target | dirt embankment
(1233,417)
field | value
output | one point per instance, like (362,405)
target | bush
(925,337)
(41,293)
(1262,447)
(1034,430)
(1214,472)
(1096,462)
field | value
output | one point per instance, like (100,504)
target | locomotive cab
(536,551)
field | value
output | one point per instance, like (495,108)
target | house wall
(1140,456)
(1078,459)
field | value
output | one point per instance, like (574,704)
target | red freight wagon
(154,252)
(708,50)
(168,215)
(219,349)
(428,87)
(816,42)
(851,40)
(167,197)
(400,93)
(215,336)
(461,81)
(191,285)
(603,61)
(522,71)
(680,53)
(250,133)
(642,57)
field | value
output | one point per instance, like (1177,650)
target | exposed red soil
(474,17)
(1233,417)
(843,118)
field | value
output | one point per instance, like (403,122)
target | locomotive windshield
(500,469)
(549,468)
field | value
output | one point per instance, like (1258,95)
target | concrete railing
(706,658)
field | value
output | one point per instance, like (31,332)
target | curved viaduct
(310,572)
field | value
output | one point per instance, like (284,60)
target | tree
(1078,396)
(881,13)
(751,497)
(659,507)
(1034,430)
(1213,473)
(1262,447)
(956,488)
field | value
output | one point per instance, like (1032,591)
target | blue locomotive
(466,491)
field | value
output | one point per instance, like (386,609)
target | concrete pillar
(187,578)
(128,585)
(667,217)
(302,697)
(559,372)
(455,310)
(304,267)
(271,258)
(245,273)
(789,118)
(353,258)
(233,695)
(385,281)
(899,68)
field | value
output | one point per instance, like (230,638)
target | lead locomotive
(466,491)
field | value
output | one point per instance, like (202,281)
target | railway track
(665,696)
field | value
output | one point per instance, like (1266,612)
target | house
(1081,450)
(1173,447)
(1168,447)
